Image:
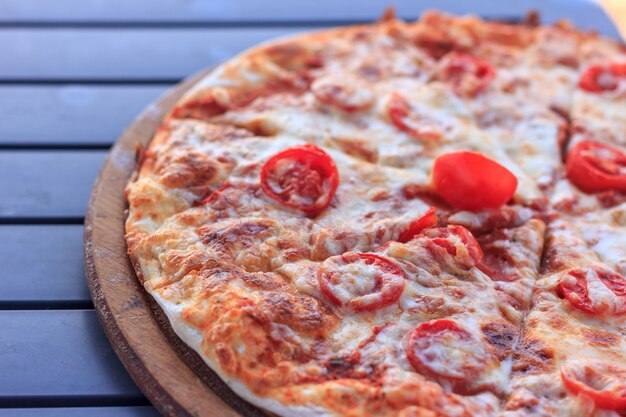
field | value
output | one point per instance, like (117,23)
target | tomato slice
(468,74)
(443,349)
(428,219)
(412,121)
(602,78)
(603,382)
(471,181)
(609,295)
(361,281)
(304,178)
(451,239)
(347,94)
(594,166)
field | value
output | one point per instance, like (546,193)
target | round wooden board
(170,374)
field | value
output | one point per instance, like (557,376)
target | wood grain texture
(42,264)
(51,184)
(123,54)
(59,353)
(170,374)
(70,114)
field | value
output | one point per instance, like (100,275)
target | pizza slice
(515,82)
(598,105)
(430,294)
(594,153)
(569,361)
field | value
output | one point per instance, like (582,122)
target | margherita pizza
(399,219)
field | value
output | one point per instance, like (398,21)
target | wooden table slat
(121,54)
(47,183)
(70,114)
(126,54)
(146,411)
(42,265)
(58,353)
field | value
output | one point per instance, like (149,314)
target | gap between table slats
(54,358)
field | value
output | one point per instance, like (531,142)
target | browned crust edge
(104,223)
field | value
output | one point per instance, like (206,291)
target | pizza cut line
(399,219)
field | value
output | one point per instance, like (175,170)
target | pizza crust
(193,339)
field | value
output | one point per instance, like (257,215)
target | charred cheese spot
(346,93)
(439,34)
(328,242)
(201,107)
(298,311)
(179,263)
(557,322)
(236,233)
(236,200)
(190,169)
(598,337)
(348,366)
(293,56)
(256,245)
(533,356)
(263,280)
(358,148)
(502,336)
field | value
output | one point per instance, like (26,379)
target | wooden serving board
(173,377)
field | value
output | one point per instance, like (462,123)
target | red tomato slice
(468,74)
(603,382)
(594,166)
(428,219)
(471,181)
(443,349)
(575,287)
(411,121)
(452,238)
(601,78)
(361,281)
(304,178)
(347,94)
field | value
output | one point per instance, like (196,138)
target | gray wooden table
(73,74)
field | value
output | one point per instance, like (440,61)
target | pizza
(398,219)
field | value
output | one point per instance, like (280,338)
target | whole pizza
(399,219)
